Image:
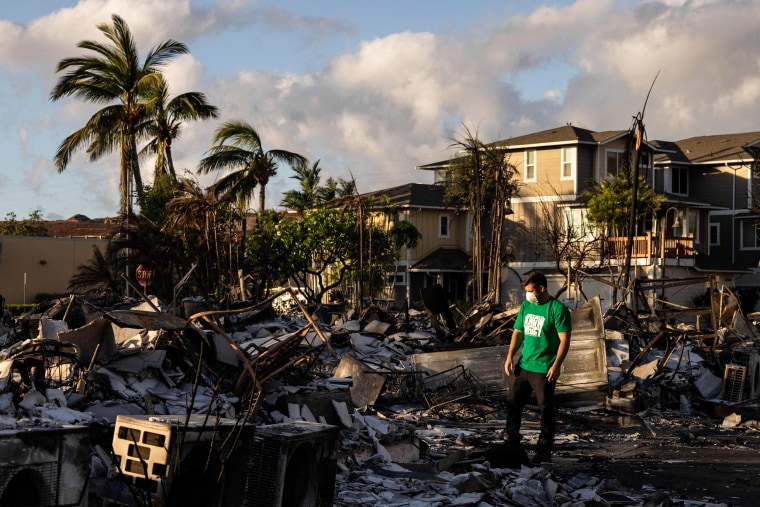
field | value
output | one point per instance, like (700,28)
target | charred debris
(197,405)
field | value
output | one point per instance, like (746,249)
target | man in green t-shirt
(543,327)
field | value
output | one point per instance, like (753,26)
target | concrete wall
(49,264)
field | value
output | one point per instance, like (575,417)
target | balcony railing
(646,247)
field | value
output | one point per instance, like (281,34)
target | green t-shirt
(541,325)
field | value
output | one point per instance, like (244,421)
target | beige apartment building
(38,265)
(32,265)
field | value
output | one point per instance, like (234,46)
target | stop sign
(144,275)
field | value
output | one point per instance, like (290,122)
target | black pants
(523,383)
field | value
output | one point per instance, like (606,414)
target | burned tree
(571,242)
(482,183)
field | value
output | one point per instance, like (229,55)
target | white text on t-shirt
(533,324)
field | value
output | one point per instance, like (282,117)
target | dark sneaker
(541,457)
(512,442)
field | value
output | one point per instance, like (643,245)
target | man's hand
(553,373)
(509,367)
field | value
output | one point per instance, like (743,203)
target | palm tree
(309,195)
(112,74)
(194,217)
(97,273)
(245,153)
(167,117)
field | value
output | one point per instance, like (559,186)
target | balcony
(646,247)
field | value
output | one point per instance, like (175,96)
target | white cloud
(382,105)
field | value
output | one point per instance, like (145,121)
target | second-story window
(443,176)
(614,162)
(443,226)
(750,235)
(715,234)
(530,165)
(568,161)
(679,183)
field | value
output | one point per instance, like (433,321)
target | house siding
(548,182)
(426,222)
(585,167)
(715,185)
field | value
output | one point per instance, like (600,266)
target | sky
(374,89)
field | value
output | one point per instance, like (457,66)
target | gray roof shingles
(414,194)
(708,149)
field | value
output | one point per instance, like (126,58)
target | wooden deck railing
(646,247)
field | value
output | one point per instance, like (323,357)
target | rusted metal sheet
(152,321)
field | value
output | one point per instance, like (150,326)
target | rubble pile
(421,416)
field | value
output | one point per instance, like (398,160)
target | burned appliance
(741,375)
(44,466)
(292,465)
(182,460)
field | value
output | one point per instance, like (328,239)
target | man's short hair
(536,278)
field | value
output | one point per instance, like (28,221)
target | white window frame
(576,218)
(714,229)
(567,166)
(530,169)
(400,278)
(745,224)
(444,222)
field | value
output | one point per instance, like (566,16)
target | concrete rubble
(405,417)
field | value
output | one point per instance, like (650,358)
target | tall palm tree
(166,120)
(112,75)
(336,189)
(245,153)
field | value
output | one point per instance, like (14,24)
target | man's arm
(509,366)
(564,346)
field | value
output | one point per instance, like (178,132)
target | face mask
(529,296)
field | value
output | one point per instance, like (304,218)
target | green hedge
(17,310)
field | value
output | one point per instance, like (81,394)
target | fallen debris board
(320,404)
(342,411)
(376,326)
(140,361)
(366,386)
(88,337)
(224,352)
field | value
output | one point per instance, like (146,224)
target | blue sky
(374,89)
